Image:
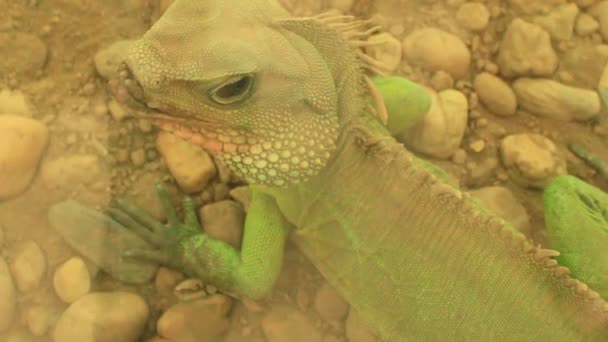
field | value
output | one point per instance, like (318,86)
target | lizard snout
(127,89)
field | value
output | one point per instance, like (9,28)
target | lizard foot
(167,238)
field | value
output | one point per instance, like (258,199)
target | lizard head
(232,77)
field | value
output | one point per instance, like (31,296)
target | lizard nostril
(131,84)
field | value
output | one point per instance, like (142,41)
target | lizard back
(431,267)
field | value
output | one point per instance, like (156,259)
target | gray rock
(224,221)
(103,317)
(101,240)
(28,266)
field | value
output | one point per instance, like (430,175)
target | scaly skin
(414,256)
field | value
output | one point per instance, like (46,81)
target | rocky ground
(514,83)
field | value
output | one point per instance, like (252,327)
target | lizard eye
(234,90)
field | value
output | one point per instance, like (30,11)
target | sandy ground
(96,152)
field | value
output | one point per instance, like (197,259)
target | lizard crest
(265,92)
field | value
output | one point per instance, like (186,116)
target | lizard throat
(278,161)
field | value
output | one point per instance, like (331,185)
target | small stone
(473,16)
(441,131)
(584,64)
(551,99)
(478,146)
(526,50)
(330,305)
(28,266)
(560,21)
(166,279)
(600,12)
(389,53)
(72,280)
(441,80)
(201,320)
(224,221)
(459,157)
(138,157)
(586,25)
(242,195)
(119,113)
(433,50)
(145,126)
(88,89)
(495,94)
(286,324)
(23,142)
(39,319)
(531,159)
(103,316)
(8,297)
(191,166)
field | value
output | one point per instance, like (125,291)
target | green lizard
(282,101)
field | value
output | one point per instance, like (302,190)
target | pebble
(441,131)
(242,195)
(138,157)
(554,100)
(441,80)
(389,53)
(495,94)
(28,266)
(584,64)
(201,320)
(224,221)
(39,319)
(433,49)
(526,50)
(586,25)
(107,60)
(560,21)
(357,330)
(502,202)
(473,16)
(191,166)
(600,12)
(101,240)
(14,102)
(166,280)
(286,324)
(534,7)
(329,304)
(119,112)
(23,142)
(103,317)
(531,160)
(8,296)
(72,280)
(22,53)
(459,157)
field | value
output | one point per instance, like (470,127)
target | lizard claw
(166,238)
(155,256)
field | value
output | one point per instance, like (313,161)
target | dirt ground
(95,152)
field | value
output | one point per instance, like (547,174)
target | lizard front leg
(251,272)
